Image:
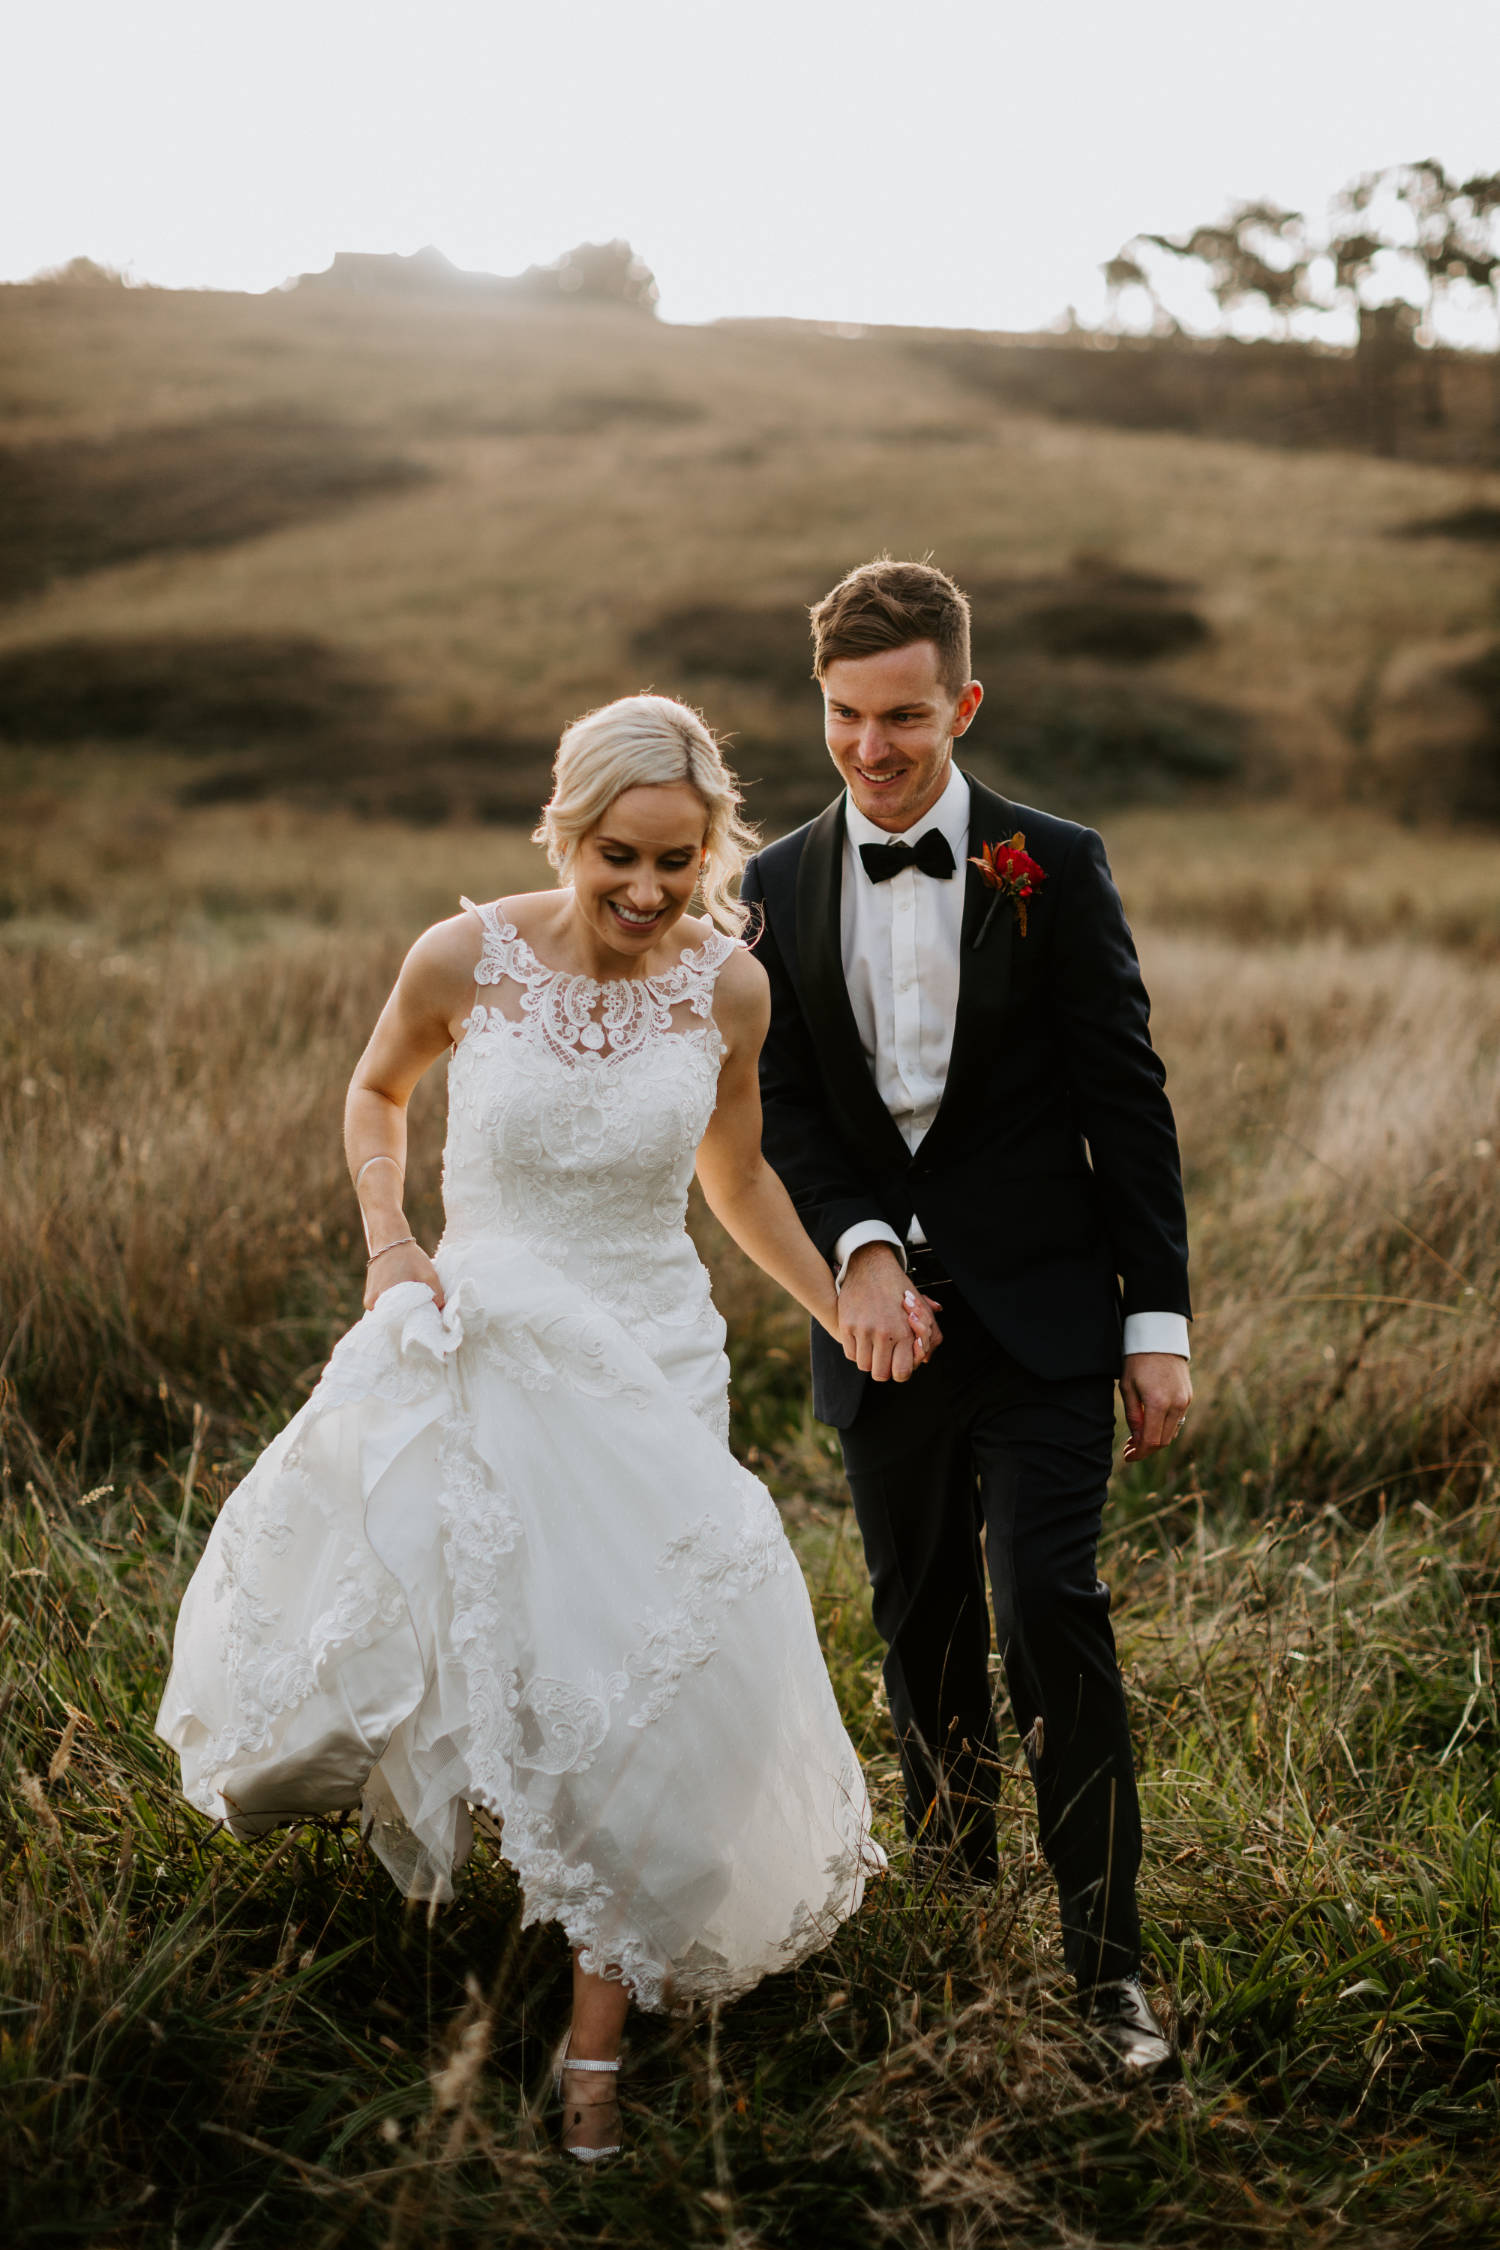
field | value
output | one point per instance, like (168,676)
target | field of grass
(295,594)
(204,2045)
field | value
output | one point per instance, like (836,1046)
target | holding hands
(889,1329)
(886,1327)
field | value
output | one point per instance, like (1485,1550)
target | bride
(503,1555)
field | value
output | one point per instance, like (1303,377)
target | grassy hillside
(294,596)
(382,550)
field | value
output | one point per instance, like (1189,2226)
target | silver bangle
(399,1244)
(379,1158)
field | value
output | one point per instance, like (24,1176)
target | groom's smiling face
(890,725)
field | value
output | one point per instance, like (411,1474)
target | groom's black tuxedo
(1049,1191)
(1050,1052)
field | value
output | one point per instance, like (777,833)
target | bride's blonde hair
(648,742)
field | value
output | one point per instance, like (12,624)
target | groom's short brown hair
(885,604)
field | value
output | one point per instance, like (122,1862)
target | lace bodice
(575,1112)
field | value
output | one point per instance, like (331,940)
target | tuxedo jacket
(1049,1183)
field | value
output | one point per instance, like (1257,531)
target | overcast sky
(961,162)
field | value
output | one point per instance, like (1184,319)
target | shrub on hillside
(1478,524)
(185,691)
(1434,737)
(80,504)
(1092,737)
(301,719)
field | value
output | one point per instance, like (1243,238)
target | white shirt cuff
(1156,1332)
(855,1237)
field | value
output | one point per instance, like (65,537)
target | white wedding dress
(504,1557)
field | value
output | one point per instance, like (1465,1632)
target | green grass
(202,2043)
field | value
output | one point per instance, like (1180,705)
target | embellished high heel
(580,2116)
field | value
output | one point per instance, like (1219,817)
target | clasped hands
(890,1330)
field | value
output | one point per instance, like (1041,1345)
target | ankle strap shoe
(577,2114)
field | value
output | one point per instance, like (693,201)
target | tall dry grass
(175,1215)
(1338,1109)
(176,1205)
(201,2045)
(97,859)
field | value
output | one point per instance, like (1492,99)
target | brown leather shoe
(1120,2017)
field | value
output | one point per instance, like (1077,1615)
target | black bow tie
(931,853)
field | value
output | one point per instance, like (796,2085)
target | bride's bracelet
(399,1244)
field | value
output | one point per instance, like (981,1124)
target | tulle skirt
(501,1559)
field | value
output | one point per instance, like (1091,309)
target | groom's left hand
(1157,1391)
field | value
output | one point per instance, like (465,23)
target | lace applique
(482,1528)
(563,1722)
(716,1572)
(585,1155)
(271,1677)
(607,1018)
(575,1352)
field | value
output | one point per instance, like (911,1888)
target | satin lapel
(984,971)
(857,1106)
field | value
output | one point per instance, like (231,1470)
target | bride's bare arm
(742,1191)
(417,1023)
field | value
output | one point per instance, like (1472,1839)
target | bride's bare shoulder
(742,994)
(455,944)
(531,914)
(439,966)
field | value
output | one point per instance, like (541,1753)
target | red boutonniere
(1012,874)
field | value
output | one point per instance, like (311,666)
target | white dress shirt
(900,948)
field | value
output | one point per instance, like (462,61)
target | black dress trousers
(976,1458)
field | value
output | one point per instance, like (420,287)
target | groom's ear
(968,703)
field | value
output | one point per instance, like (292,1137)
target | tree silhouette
(1122,272)
(1257,253)
(1478,252)
(1440,235)
(1408,233)
(1400,243)
(1413,246)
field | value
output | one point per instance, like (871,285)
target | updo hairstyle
(648,742)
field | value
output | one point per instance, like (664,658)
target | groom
(961,1095)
